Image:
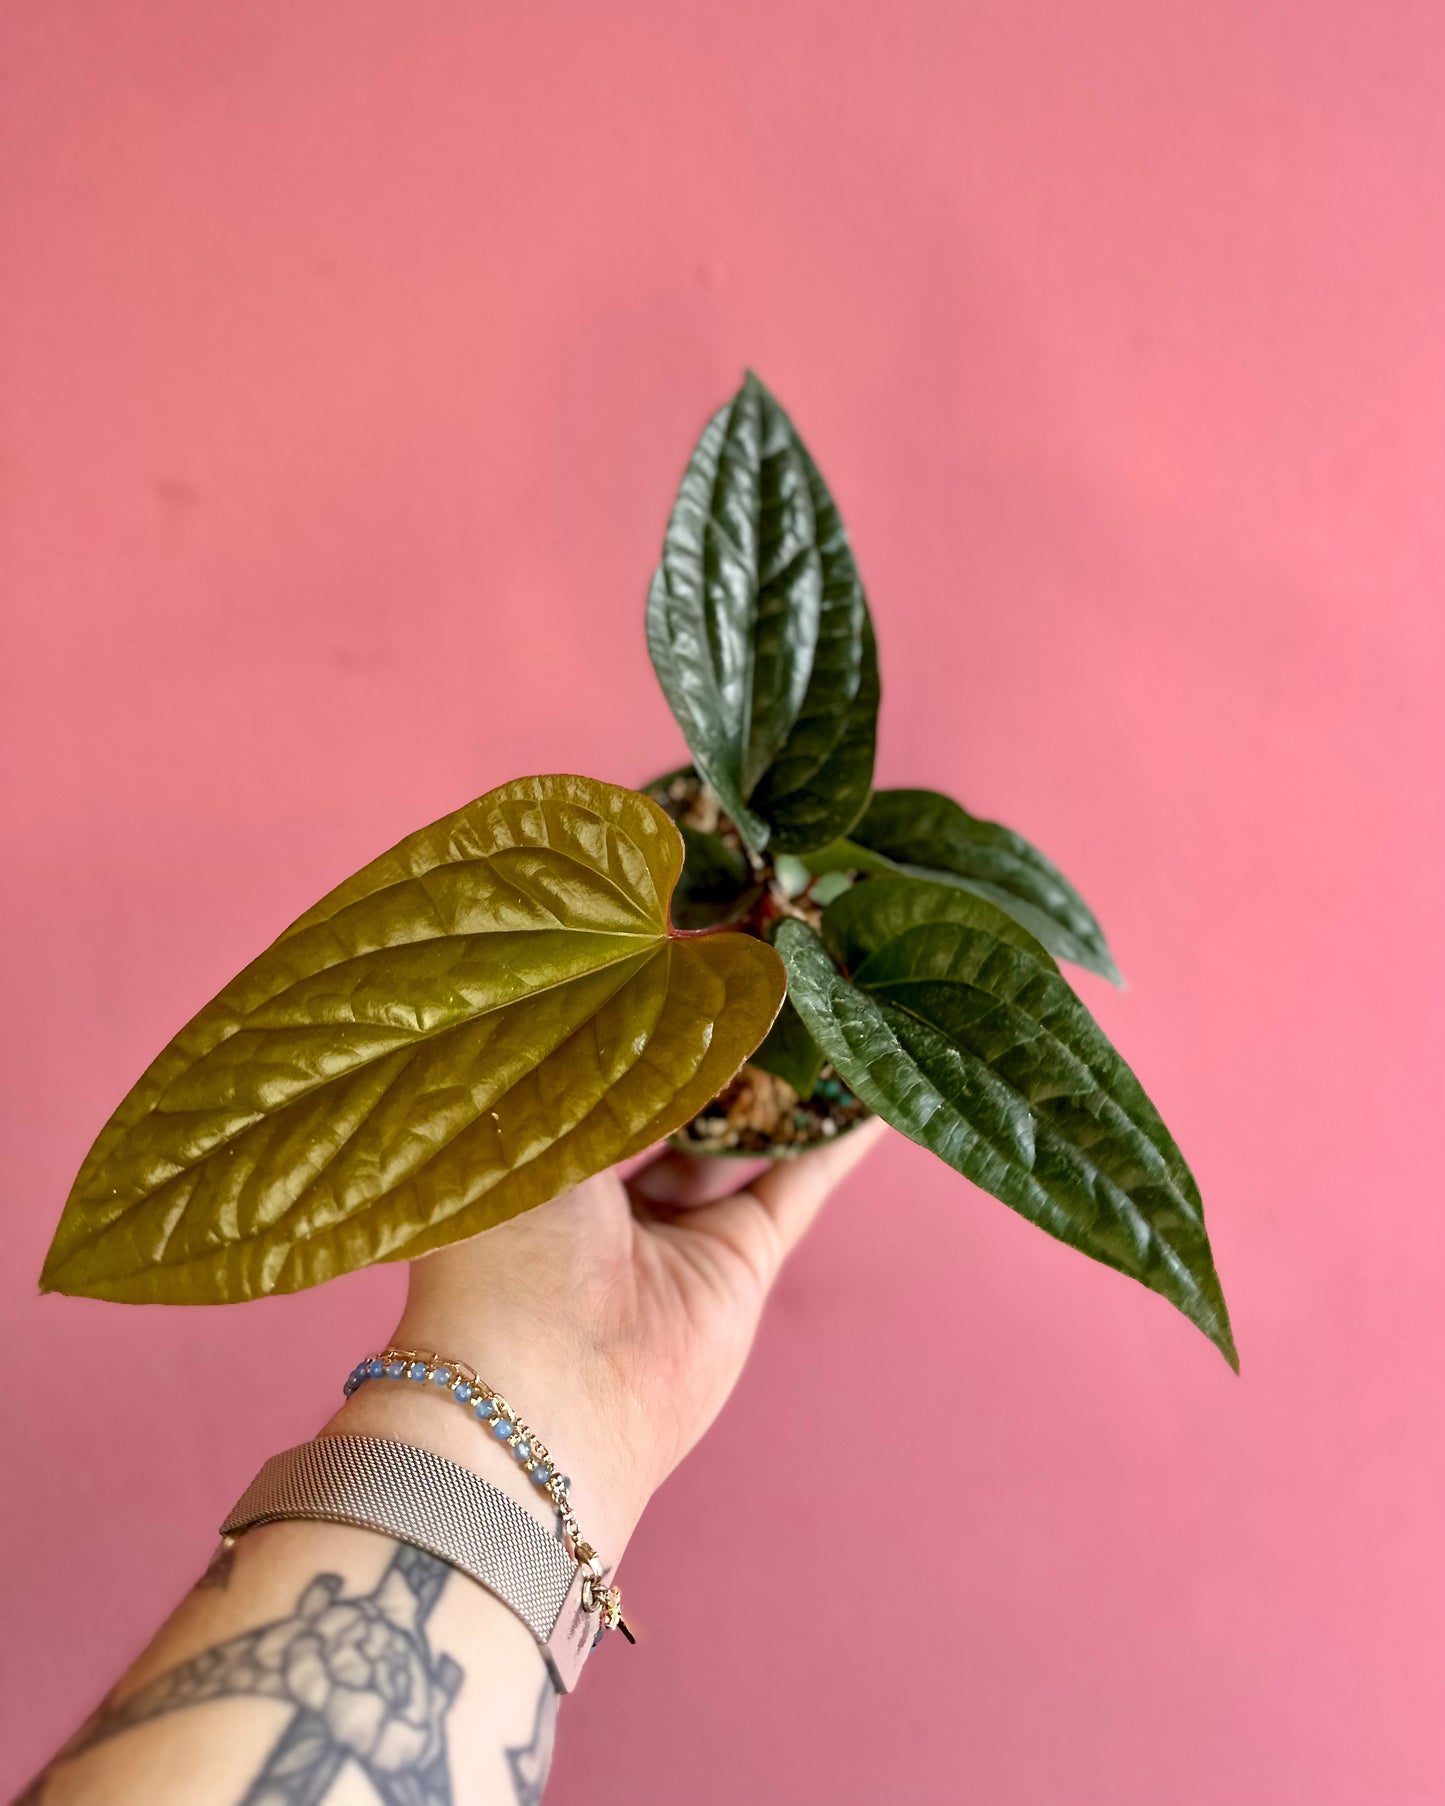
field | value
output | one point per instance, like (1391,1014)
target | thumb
(768,1219)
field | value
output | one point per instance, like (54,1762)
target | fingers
(681,1181)
(768,1220)
(795,1190)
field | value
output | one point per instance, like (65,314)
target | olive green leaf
(477,1020)
(932,836)
(790,1053)
(759,631)
(975,1047)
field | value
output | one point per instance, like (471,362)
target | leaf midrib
(1085,934)
(436,1152)
(207,1256)
(1047,1132)
(885,996)
(417,1040)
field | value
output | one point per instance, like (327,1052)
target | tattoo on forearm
(365,1686)
(528,1763)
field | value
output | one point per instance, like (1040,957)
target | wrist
(556,1398)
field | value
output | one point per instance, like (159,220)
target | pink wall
(352,351)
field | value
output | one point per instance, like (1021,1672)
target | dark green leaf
(931,836)
(477,1020)
(977,1049)
(850,857)
(815,789)
(717,884)
(759,631)
(877,910)
(790,1053)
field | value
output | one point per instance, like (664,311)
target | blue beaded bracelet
(489,1408)
(493,1413)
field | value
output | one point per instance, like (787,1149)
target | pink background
(352,351)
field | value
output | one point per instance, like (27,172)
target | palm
(645,1291)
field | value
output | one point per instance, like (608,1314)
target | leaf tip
(1216,1326)
(49,1280)
(53,1281)
(52,1284)
(1103,961)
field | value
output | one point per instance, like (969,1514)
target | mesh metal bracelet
(423,1499)
(462,1383)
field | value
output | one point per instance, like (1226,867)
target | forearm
(616,1323)
(309,1647)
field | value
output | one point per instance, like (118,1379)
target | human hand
(615,1319)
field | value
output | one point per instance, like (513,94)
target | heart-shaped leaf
(480,1018)
(931,836)
(759,631)
(975,1047)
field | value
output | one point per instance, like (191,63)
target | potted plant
(750,956)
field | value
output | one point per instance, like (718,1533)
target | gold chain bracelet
(492,1412)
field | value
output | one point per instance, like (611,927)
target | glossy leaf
(477,1020)
(878,910)
(759,631)
(790,1053)
(976,1048)
(819,784)
(931,836)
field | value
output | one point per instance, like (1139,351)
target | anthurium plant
(750,956)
